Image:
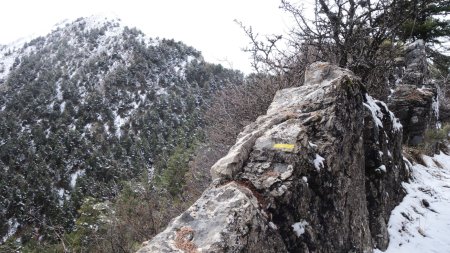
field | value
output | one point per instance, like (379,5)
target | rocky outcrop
(384,167)
(320,172)
(416,66)
(225,219)
(415,98)
(417,110)
(444,100)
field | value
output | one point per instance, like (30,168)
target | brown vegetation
(183,240)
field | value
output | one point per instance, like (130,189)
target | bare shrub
(234,108)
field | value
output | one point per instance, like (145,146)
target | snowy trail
(421,223)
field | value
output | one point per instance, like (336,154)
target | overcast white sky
(206,25)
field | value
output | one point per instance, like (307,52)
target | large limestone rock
(384,167)
(225,219)
(416,67)
(417,109)
(320,172)
(444,100)
(414,99)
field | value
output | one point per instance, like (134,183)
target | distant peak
(103,17)
(94,21)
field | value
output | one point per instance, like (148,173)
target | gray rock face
(320,172)
(416,72)
(415,99)
(384,167)
(444,100)
(227,218)
(417,109)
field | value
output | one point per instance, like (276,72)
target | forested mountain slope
(87,107)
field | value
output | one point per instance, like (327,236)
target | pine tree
(429,21)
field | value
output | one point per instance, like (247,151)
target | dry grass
(435,140)
(414,154)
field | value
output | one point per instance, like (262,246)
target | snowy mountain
(87,107)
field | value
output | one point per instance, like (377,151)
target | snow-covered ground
(74,176)
(421,223)
(12,229)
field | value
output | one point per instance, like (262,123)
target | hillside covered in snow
(89,106)
(421,222)
(112,141)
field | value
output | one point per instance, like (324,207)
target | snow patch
(60,192)
(273,226)
(62,107)
(377,115)
(299,227)
(13,225)
(143,97)
(435,106)
(9,53)
(59,94)
(396,122)
(162,91)
(135,105)
(74,176)
(88,127)
(47,133)
(118,123)
(312,145)
(318,162)
(150,173)
(106,126)
(381,168)
(420,223)
(190,58)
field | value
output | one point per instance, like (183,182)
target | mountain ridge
(88,106)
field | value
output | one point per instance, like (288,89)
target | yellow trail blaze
(289,147)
